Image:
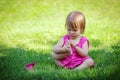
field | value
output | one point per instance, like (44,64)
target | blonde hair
(76,20)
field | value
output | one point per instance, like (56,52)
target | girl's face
(73,33)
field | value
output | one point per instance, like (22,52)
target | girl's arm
(58,47)
(82,51)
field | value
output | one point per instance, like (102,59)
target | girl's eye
(75,30)
(69,29)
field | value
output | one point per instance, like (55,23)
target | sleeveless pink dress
(73,60)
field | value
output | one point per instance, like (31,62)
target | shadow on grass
(12,61)
(107,62)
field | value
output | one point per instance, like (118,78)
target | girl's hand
(73,45)
(67,46)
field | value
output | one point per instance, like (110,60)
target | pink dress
(73,60)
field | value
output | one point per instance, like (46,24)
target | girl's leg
(85,64)
(59,56)
(57,62)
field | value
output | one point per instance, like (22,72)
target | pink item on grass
(29,66)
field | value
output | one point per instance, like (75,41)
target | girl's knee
(57,62)
(54,55)
(90,62)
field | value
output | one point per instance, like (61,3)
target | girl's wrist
(74,46)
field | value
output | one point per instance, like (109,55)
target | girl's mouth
(73,36)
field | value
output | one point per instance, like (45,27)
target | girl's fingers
(68,46)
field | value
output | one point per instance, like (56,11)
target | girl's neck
(76,40)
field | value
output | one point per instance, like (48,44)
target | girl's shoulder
(83,40)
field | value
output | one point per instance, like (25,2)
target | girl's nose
(71,31)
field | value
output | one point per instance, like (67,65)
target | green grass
(30,29)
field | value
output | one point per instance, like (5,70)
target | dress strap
(83,40)
(66,37)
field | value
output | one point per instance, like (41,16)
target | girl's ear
(81,31)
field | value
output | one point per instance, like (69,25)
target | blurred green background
(29,29)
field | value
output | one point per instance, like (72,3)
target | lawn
(29,29)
